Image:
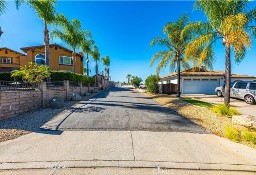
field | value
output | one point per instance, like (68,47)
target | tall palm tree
(128,78)
(46,11)
(106,62)
(86,46)
(71,33)
(227,21)
(174,43)
(96,57)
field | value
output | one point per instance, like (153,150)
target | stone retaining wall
(13,103)
(18,102)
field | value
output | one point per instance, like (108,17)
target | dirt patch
(200,115)
(9,134)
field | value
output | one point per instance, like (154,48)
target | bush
(6,76)
(61,76)
(152,83)
(249,136)
(136,81)
(32,74)
(232,133)
(223,110)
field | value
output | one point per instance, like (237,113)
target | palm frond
(3,6)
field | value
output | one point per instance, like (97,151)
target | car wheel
(249,99)
(219,93)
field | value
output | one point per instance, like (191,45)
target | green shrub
(6,76)
(223,110)
(32,73)
(61,76)
(232,133)
(249,136)
(152,83)
(136,81)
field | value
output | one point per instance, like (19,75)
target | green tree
(228,21)
(96,57)
(128,78)
(136,81)
(86,46)
(46,11)
(32,74)
(72,34)
(174,43)
(152,83)
(106,62)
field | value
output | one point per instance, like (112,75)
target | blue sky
(121,29)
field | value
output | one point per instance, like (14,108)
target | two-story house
(60,58)
(9,59)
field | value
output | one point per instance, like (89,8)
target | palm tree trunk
(227,76)
(47,43)
(178,67)
(96,73)
(87,64)
(74,60)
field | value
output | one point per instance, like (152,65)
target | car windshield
(252,86)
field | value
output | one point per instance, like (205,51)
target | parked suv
(242,89)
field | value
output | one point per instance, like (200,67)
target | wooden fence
(167,88)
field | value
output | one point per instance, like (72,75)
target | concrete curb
(128,164)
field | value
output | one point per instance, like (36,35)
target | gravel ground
(200,115)
(30,122)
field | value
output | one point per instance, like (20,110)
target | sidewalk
(126,149)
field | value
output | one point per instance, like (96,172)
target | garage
(200,86)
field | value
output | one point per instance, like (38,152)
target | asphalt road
(124,109)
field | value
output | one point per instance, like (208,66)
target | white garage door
(200,86)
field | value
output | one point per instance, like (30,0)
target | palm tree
(174,43)
(86,46)
(227,21)
(96,57)
(106,62)
(2,6)
(46,11)
(128,78)
(71,33)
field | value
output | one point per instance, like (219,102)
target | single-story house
(201,81)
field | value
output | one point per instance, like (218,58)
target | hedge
(6,76)
(61,76)
(56,76)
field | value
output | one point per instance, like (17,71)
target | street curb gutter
(128,164)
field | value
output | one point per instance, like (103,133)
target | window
(241,85)
(7,60)
(213,79)
(196,79)
(40,59)
(187,79)
(252,86)
(66,60)
(205,79)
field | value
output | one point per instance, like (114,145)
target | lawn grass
(197,102)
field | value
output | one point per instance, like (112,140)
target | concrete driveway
(243,107)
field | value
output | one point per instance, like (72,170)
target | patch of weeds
(223,110)
(197,102)
(232,133)
(249,136)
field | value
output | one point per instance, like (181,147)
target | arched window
(40,59)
